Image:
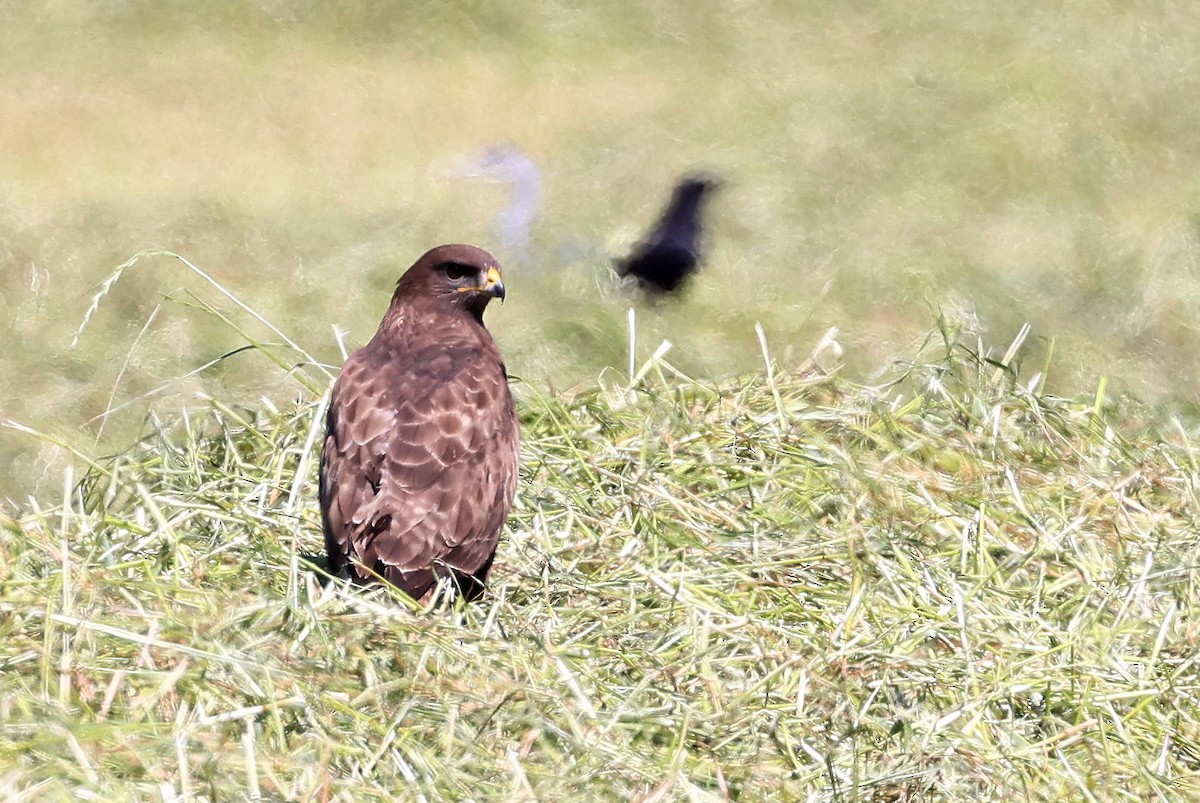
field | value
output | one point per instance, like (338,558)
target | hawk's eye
(458,272)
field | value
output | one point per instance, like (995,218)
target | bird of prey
(419,467)
(663,262)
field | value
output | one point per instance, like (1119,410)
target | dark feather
(670,254)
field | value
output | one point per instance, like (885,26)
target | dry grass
(946,586)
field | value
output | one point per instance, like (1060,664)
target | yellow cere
(493,277)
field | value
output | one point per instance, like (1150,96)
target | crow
(664,260)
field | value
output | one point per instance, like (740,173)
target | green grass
(1029,163)
(785,585)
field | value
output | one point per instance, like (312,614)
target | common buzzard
(419,467)
(663,262)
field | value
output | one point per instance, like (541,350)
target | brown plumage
(419,468)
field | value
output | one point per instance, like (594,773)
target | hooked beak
(494,284)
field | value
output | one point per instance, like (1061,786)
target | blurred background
(884,164)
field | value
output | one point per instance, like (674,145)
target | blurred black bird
(663,261)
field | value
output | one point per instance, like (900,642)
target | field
(887,545)
(782,587)
(999,166)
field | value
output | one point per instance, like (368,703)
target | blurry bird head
(695,187)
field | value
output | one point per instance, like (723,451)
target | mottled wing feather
(422,453)
(357,429)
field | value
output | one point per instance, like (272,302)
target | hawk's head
(458,276)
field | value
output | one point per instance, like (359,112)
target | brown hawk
(419,468)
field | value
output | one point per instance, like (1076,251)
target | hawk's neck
(407,326)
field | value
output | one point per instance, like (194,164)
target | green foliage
(785,586)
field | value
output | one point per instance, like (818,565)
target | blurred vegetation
(886,162)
